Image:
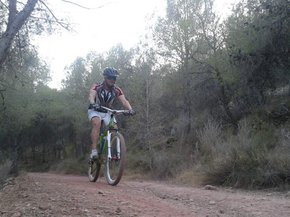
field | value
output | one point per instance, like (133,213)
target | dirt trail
(45,194)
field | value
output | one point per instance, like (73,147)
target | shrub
(71,166)
(166,164)
(210,138)
(139,161)
(250,159)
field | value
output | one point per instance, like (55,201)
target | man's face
(110,80)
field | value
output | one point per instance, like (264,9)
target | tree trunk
(43,153)
(187,97)
(15,22)
(225,102)
(14,166)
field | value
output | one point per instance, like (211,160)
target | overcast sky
(100,28)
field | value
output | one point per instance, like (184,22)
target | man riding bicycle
(104,94)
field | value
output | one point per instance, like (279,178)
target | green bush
(166,164)
(138,161)
(71,166)
(250,159)
(159,164)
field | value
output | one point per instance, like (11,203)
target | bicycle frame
(105,139)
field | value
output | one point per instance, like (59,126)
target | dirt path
(45,194)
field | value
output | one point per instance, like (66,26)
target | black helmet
(109,71)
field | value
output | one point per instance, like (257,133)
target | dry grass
(250,159)
(189,177)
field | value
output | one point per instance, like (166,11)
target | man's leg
(96,125)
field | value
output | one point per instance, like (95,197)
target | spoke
(94,170)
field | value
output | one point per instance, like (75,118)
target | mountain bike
(111,151)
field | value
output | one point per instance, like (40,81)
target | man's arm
(125,102)
(92,95)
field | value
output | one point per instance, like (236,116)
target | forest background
(212,96)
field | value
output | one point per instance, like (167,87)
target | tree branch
(50,11)
(81,6)
(4,4)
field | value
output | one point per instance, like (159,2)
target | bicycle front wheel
(94,170)
(116,164)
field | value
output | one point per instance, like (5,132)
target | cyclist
(104,94)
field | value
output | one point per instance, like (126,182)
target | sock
(94,150)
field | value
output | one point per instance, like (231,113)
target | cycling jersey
(105,96)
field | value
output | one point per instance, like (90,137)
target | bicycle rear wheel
(114,167)
(94,170)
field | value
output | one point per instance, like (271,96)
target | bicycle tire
(94,170)
(114,167)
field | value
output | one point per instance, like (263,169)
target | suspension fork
(109,136)
(109,145)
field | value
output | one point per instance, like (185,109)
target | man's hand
(131,112)
(95,106)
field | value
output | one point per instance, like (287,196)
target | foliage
(253,159)
(258,49)
(70,166)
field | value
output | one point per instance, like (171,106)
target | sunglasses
(111,78)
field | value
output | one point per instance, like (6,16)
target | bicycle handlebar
(115,111)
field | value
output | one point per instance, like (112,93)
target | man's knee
(96,123)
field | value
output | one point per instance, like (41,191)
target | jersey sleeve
(94,86)
(119,91)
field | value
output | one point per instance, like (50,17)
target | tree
(257,44)
(34,15)
(15,22)
(185,40)
(17,107)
